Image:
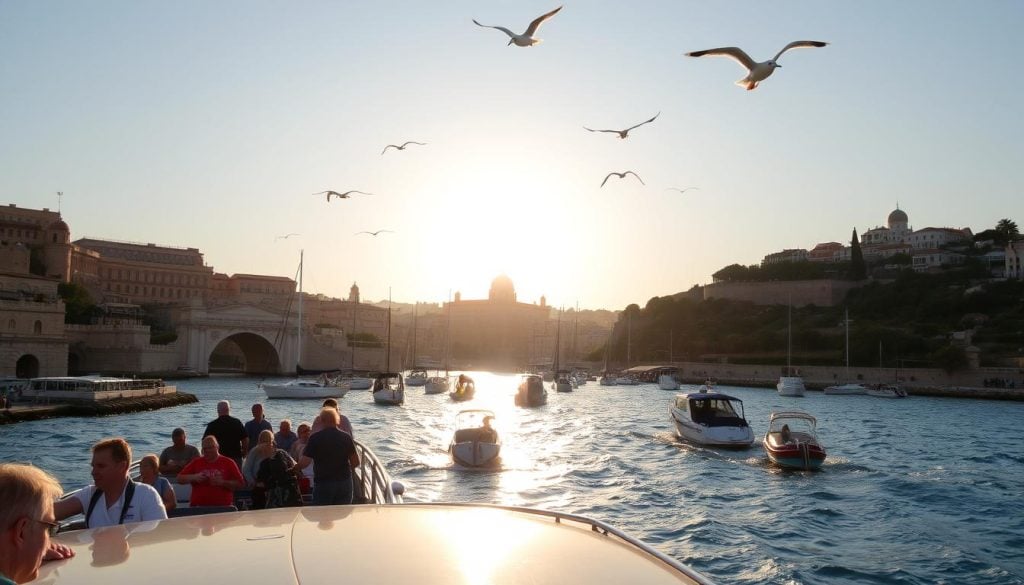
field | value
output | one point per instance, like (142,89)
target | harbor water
(922,490)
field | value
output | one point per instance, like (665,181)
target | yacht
(304,389)
(886,391)
(416,378)
(389,389)
(436,385)
(711,419)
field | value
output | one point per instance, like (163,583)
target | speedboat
(416,378)
(792,441)
(851,389)
(562,382)
(304,388)
(389,389)
(436,385)
(886,391)
(465,389)
(668,382)
(531,391)
(475,443)
(712,419)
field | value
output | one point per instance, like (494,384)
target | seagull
(683,190)
(623,176)
(344,195)
(375,233)
(285,237)
(526,39)
(401,147)
(625,133)
(756,72)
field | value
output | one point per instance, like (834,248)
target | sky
(211,124)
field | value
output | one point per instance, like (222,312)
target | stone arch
(27,366)
(247,352)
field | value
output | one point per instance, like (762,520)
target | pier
(21,411)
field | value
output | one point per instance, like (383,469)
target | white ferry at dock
(92,388)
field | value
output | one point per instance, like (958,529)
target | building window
(11,324)
(38,328)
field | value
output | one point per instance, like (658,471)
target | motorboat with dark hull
(531,391)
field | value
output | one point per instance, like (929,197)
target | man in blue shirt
(257,425)
(333,455)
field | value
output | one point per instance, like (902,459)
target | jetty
(27,411)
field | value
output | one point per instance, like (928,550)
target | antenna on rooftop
(59,195)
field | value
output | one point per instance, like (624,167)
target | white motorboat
(607,380)
(712,419)
(886,391)
(846,390)
(668,382)
(531,391)
(389,389)
(626,381)
(304,389)
(417,378)
(436,385)
(475,443)
(562,383)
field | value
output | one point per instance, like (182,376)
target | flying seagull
(526,39)
(683,190)
(285,237)
(376,232)
(625,133)
(623,176)
(344,195)
(756,72)
(395,146)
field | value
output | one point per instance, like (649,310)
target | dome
(897,216)
(59,225)
(502,289)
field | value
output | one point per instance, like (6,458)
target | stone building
(346,315)
(125,272)
(43,233)
(32,336)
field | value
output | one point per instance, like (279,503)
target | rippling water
(922,490)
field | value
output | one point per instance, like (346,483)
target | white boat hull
(389,397)
(437,385)
(711,436)
(476,453)
(887,392)
(415,381)
(359,383)
(790,386)
(667,383)
(846,390)
(303,392)
(562,386)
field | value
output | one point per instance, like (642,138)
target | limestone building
(44,234)
(125,272)
(32,337)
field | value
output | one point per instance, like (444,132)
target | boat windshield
(717,411)
(473,418)
(795,424)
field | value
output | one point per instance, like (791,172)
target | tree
(79,308)
(1008,228)
(858,269)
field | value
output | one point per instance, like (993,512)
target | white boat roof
(424,544)
(792,414)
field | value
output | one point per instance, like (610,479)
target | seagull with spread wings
(683,190)
(622,176)
(756,72)
(526,39)
(625,133)
(345,195)
(285,237)
(402,147)
(374,234)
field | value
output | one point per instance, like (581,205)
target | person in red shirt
(214,477)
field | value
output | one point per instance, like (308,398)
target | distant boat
(561,381)
(850,388)
(304,389)
(531,391)
(389,389)
(418,376)
(886,391)
(465,389)
(790,383)
(668,382)
(438,384)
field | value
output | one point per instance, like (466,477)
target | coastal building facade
(43,233)
(1014,262)
(127,272)
(32,336)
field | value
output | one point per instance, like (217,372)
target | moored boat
(668,382)
(712,419)
(465,389)
(886,391)
(389,389)
(792,441)
(531,391)
(476,443)
(416,378)
(852,389)
(304,389)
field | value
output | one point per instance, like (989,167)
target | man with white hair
(26,522)
(230,433)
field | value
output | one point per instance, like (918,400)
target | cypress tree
(858,269)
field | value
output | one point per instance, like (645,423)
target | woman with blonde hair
(149,472)
(263,451)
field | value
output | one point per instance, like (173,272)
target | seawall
(21,412)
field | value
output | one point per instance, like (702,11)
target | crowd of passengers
(278,468)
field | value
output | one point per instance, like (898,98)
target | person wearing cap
(177,456)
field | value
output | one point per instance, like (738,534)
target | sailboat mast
(387,350)
(575,330)
(789,340)
(558,331)
(414,306)
(629,339)
(355,308)
(298,362)
(448,335)
(847,344)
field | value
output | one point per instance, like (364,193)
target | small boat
(886,391)
(790,382)
(531,391)
(436,385)
(712,419)
(626,381)
(607,380)
(792,441)
(416,378)
(465,389)
(389,389)
(475,443)
(305,389)
(668,382)
(852,389)
(562,382)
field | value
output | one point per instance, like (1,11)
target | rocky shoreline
(21,412)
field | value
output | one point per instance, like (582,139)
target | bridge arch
(247,352)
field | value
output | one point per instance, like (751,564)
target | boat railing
(373,484)
(595,526)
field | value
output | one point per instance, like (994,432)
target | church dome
(897,216)
(502,289)
(59,225)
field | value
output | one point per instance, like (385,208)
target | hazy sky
(210,125)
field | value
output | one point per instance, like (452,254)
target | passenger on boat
(333,455)
(258,424)
(306,480)
(230,433)
(284,438)
(113,498)
(345,424)
(149,473)
(214,477)
(263,450)
(785,436)
(27,521)
(173,458)
(487,433)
